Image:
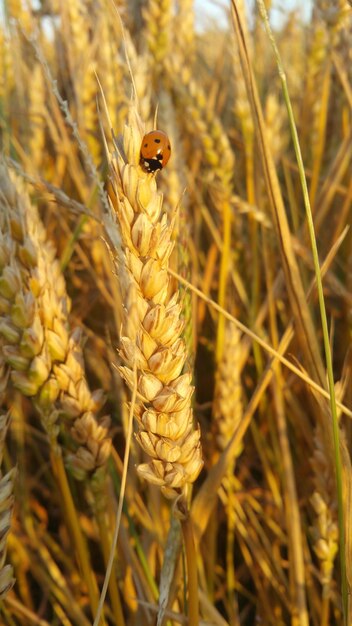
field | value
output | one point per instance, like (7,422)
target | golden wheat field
(175,313)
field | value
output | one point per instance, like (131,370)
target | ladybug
(155,151)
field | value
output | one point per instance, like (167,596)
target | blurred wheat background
(186,301)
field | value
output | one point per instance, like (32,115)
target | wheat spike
(37,114)
(317,63)
(76,13)
(325,529)
(334,13)
(184,32)
(77,19)
(242,106)
(275,126)
(110,69)
(227,409)
(206,129)
(157,17)
(151,335)
(46,361)
(141,77)
(7,81)
(19,10)
(89,120)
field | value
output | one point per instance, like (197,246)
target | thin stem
(121,500)
(254,235)
(224,271)
(191,558)
(295,543)
(325,610)
(113,588)
(230,548)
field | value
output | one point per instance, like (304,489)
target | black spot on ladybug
(159,157)
(152,165)
(156,140)
(146,145)
(169,147)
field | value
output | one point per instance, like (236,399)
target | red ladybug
(155,151)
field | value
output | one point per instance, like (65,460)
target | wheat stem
(191,558)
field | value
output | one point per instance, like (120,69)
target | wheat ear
(151,334)
(324,532)
(46,361)
(228,406)
(157,17)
